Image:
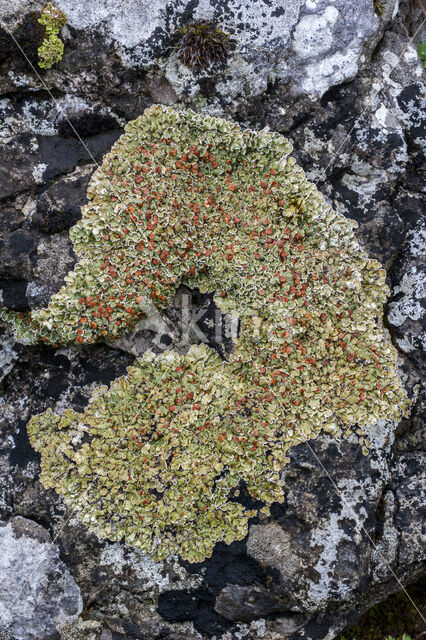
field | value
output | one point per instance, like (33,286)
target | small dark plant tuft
(7,45)
(201,45)
(30,34)
(380,6)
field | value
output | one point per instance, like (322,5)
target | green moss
(52,48)
(380,6)
(393,619)
(421,50)
(188,198)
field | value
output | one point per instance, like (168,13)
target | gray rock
(8,351)
(320,540)
(54,259)
(37,593)
(311,46)
(406,311)
(334,547)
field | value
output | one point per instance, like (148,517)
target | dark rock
(16,253)
(247,603)
(11,218)
(62,155)
(14,294)
(87,124)
(197,606)
(411,102)
(18,160)
(30,35)
(59,207)
(7,46)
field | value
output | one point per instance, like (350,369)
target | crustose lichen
(157,457)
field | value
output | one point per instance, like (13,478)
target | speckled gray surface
(302,68)
(310,45)
(37,592)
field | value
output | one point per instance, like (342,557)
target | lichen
(52,48)
(201,45)
(159,456)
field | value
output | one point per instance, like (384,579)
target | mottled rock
(8,351)
(37,593)
(52,262)
(406,311)
(311,46)
(33,267)
(334,547)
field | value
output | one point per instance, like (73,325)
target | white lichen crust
(158,458)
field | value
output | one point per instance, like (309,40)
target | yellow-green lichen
(184,197)
(52,47)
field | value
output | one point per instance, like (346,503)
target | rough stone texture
(350,523)
(406,311)
(37,593)
(309,45)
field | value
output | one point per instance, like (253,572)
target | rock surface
(37,593)
(310,45)
(346,87)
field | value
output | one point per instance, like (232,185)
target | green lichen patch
(155,459)
(52,47)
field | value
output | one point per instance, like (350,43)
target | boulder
(345,86)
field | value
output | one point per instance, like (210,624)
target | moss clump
(52,47)
(7,45)
(393,619)
(184,197)
(421,51)
(380,6)
(30,34)
(201,45)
